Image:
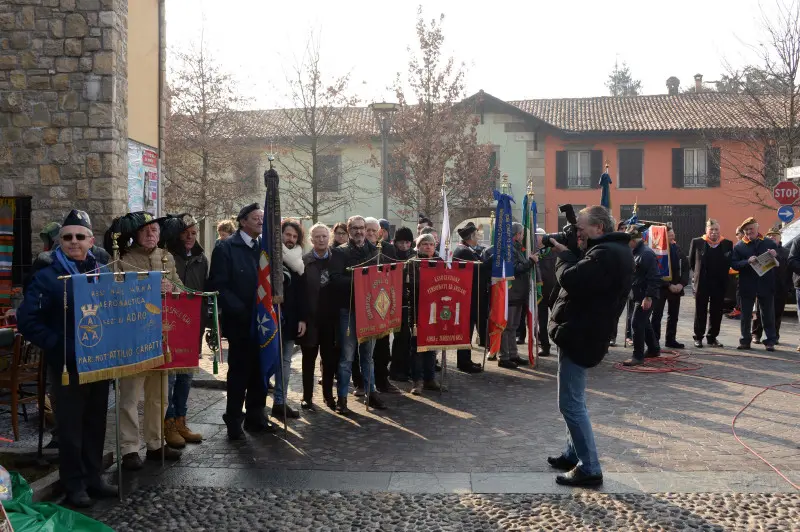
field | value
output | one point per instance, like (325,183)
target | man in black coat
(466,251)
(593,283)
(645,289)
(234,274)
(545,274)
(518,293)
(710,260)
(671,293)
(783,283)
(400,368)
(752,286)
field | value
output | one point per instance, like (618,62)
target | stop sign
(786,193)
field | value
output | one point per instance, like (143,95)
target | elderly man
(709,261)
(143,256)
(234,274)
(82,408)
(645,290)
(467,251)
(783,282)
(358,250)
(752,286)
(517,297)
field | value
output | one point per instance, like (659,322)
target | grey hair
(427,237)
(599,215)
(317,226)
(517,228)
(353,219)
(370,220)
(427,231)
(711,221)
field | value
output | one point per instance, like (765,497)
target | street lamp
(384,112)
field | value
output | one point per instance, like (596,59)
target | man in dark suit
(783,283)
(671,293)
(466,251)
(234,274)
(709,260)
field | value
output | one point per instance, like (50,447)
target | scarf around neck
(293,259)
(759,236)
(713,244)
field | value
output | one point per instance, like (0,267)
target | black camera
(569,234)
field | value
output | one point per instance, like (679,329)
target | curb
(46,488)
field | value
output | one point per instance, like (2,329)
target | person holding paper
(753,286)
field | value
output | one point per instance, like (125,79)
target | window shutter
(561,170)
(677,167)
(596,166)
(713,167)
(630,168)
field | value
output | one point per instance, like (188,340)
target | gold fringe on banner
(177,371)
(116,372)
(423,348)
(378,336)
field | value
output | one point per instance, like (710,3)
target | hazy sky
(512,49)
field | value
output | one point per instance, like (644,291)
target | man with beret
(783,283)
(752,286)
(481,273)
(234,274)
(82,408)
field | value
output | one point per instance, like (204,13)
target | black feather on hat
(171,227)
(467,230)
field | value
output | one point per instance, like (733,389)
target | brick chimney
(698,83)
(673,85)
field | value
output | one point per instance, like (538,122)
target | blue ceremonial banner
(117,325)
(502,265)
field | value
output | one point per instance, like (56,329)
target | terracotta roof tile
(278,123)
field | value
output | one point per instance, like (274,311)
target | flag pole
(534,289)
(115,255)
(488,295)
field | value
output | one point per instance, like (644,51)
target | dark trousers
(330,362)
(400,368)
(464,356)
(673,304)
(245,383)
(81,415)
(642,329)
(758,324)
(708,306)
(542,314)
(523,324)
(626,307)
(766,305)
(483,319)
(358,379)
(381,357)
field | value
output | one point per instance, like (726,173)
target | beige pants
(130,389)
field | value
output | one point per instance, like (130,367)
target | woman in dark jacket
(423,365)
(321,320)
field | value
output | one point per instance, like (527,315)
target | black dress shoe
(743,347)
(170,454)
(376,402)
(698,343)
(508,364)
(578,478)
(103,490)
(769,347)
(672,344)
(277,412)
(559,462)
(235,431)
(258,423)
(79,499)
(653,354)
(714,343)
(307,405)
(756,339)
(341,407)
(471,368)
(132,462)
(330,402)
(521,361)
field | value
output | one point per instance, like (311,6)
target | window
(783,159)
(493,166)
(578,169)
(329,173)
(630,168)
(695,167)
(397,173)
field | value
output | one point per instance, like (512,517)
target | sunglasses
(80,237)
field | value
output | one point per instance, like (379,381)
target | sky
(511,49)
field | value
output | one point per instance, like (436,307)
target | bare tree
(211,166)
(766,101)
(435,137)
(319,177)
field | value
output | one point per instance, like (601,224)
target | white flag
(444,236)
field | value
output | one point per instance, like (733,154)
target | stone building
(78,79)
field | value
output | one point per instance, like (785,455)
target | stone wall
(63,107)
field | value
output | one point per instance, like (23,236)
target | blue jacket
(646,277)
(234,274)
(40,318)
(750,284)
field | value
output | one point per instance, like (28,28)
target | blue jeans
(288,351)
(580,447)
(178,395)
(349,346)
(423,365)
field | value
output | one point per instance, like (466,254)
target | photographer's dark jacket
(750,284)
(592,289)
(646,278)
(347,256)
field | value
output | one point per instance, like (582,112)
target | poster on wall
(142,178)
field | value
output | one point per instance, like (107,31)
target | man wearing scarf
(82,408)
(752,286)
(293,312)
(709,261)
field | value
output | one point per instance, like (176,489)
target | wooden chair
(25,370)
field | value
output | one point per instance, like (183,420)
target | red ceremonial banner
(378,300)
(181,319)
(445,300)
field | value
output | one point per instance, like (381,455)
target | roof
(662,112)
(278,123)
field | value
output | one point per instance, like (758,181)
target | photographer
(594,271)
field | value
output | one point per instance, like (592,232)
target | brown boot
(186,434)
(171,434)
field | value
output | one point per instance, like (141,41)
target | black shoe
(170,454)
(52,445)
(672,344)
(508,364)
(79,499)
(520,341)
(277,412)
(375,402)
(521,361)
(472,368)
(438,367)
(545,351)
(653,354)
(769,347)
(235,431)
(103,490)
(743,347)
(698,343)
(307,405)
(633,362)
(714,343)
(492,357)
(132,462)
(341,407)
(330,402)
(578,478)
(258,423)
(388,387)
(559,462)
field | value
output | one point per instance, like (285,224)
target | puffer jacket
(137,259)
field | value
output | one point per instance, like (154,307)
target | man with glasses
(82,408)
(358,250)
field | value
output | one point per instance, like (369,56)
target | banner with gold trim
(378,300)
(182,322)
(445,303)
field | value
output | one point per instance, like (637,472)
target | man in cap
(644,291)
(400,368)
(82,408)
(482,271)
(752,286)
(143,256)
(234,274)
(783,283)
(517,297)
